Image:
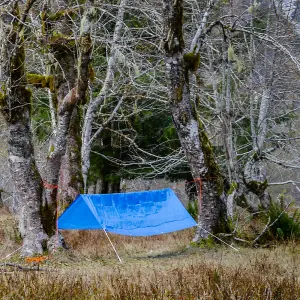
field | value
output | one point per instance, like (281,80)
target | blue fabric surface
(136,214)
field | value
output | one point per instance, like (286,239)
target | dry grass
(95,245)
(201,274)
(158,267)
(9,239)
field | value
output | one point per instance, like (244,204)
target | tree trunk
(191,133)
(70,181)
(255,180)
(36,216)
(255,174)
(67,100)
(71,84)
(15,107)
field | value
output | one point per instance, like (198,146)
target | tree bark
(255,174)
(71,83)
(190,130)
(38,198)
(15,107)
(70,181)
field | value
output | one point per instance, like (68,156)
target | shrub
(285,222)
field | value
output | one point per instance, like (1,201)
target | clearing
(159,267)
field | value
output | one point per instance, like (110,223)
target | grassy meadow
(160,267)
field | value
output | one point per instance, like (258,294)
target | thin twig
(264,230)
(268,226)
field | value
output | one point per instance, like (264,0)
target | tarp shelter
(135,214)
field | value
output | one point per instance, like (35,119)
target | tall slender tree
(181,63)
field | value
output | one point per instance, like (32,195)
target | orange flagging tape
(38,259)
(49,186)
(200,181)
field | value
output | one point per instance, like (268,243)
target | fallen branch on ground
(23,268)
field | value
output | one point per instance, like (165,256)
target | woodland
(97,94)
(113,96)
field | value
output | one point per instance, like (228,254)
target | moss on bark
(191,61)
(70,13)
(213,171)
(257,187)
(41,81)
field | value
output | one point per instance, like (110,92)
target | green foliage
(41,119)
(152,130)
(40,81)
(257,187)
(287,223)
(193,209)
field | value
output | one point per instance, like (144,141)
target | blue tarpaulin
(136,214)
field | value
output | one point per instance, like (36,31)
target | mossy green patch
(191,61)
(207,243)
(242,201)
(2,97)
(52,148)
(41,81)
(61,40)
(63,13)
(232,188)
(257,187)
(213,171)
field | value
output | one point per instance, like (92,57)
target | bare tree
(192,134)
(87,136)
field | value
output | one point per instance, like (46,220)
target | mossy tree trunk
(70,181)
(15,107)
(68,86)
(199,153)
(71,82)
(256,183)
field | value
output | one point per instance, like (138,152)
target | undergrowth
(285,221)
(161,267)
